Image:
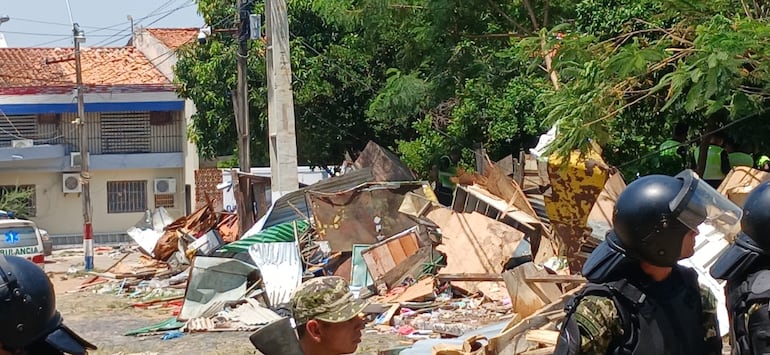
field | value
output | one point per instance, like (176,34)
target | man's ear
(313,329)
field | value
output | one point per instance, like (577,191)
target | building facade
(135,128)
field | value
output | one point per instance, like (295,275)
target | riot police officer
(639,300)
(29,321)
(745,265)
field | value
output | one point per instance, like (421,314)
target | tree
(333,79)
(17,200)
(690,63)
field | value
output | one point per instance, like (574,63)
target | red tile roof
(174,38)
(52,67)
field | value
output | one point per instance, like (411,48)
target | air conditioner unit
(165,186)
(75,160)
(71,183)
(22,143)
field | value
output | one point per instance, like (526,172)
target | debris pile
(494,267)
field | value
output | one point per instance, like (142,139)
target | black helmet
(756,216)
(645,223)
(654,213)
(28,310)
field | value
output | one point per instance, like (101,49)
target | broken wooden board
(474,243)
(600,217)
(512,341)
(542,336)
(412,267)
(421,290)
(528,297)
(386,255)
(740,181)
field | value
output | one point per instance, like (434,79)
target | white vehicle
(22,238)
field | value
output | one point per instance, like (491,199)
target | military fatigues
(599,319)
(327,299)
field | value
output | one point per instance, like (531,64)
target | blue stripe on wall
(28,109)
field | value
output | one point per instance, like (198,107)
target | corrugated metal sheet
(281,269)
(283,232)
(214,281)
(285,208)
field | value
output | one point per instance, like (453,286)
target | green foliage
(17,200)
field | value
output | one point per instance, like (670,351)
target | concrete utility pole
(241,93)
(280,107)
(243,193)
(88,242)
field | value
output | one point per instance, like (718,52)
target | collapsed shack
(498,262)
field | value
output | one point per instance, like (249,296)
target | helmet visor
(699,203)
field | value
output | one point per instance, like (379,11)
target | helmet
(752,246)
(655,212)
(28,309)
(756,216)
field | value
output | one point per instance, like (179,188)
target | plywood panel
(384,256)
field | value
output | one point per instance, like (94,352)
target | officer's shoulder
(594,306)
(708,299)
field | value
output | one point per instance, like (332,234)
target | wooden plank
(507,342)
(409,244)
(387,316)
(555,278)
(384,258)
(470,277)
(411,267)
(542,351)
(386,255)
(422,289)
(396,252)
(547,337)
(528,298)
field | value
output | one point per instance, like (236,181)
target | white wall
(61,213)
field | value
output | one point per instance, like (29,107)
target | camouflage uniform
(599,320)
(326,299)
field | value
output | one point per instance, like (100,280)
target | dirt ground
(104,318)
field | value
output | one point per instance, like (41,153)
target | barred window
(26,208)
(126,196)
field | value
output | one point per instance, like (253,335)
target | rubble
(491,271)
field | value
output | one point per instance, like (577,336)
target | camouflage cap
(327,299)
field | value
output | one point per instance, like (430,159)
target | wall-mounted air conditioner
(22,143)
(71,183)
(165,186)
(75,160)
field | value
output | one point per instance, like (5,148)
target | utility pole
(244,197)
(241,93)
(280,111)
(88,242)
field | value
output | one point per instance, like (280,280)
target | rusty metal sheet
(363,215)
(385,165)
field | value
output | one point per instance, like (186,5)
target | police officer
(745,265)
(29,321)
(639,300)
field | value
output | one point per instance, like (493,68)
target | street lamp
(4,19)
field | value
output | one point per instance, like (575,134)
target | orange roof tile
(46,67)
(174,38)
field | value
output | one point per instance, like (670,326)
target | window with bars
(27,203)
(13,127)
(125,132)
(126,196)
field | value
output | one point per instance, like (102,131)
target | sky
(46,23)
